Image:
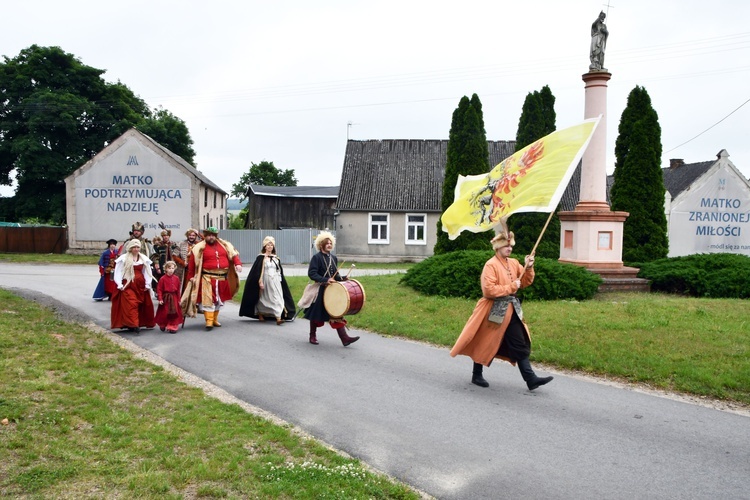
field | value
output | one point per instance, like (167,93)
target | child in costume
(169,315)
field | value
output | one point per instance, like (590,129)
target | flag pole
(533,250)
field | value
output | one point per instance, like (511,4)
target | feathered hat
(503,237)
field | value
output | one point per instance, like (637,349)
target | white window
(415,227)
(379,229)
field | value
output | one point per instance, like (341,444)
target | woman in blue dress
(106,284)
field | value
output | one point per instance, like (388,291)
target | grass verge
(86,419)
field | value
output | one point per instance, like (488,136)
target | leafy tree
(238,221)
(537,120)
(56,113)
(263,174)
(638,186)
(171,132)
(468,154)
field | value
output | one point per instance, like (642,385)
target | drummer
(323,269)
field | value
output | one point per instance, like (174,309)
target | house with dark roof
(708,207)
(285,207)
(136,179)
(389,199)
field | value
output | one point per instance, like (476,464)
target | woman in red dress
(132,305)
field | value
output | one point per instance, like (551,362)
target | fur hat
(133,243)
(503,239)
(211,230)
(191,230)
(325,235)
(267,240)
(137,227)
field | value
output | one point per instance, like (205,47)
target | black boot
(345,338)
(532,381)
(476,376)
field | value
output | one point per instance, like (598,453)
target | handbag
(309,295)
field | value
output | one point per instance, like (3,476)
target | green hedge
(457,274)
(700,275)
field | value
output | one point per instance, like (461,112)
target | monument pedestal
(591,235)
(593,239)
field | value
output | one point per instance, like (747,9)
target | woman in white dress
(266,291)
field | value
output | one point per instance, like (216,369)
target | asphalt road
(409,409)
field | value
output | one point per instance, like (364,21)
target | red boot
(313,337)
(345,338)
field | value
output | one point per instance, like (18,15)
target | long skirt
(169,315)
(133,307)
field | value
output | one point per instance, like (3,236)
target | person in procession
(165,250)
(185,246)
(106,286)
(496,328)
(266,292)
(132,305)
(323,269)
(137,231)
(168,314)
(213,268)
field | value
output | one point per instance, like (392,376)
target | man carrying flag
(532,180)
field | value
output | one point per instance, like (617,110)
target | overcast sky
(288,81)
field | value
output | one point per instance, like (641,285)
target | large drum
(344,298)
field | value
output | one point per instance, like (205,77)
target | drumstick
(350,270)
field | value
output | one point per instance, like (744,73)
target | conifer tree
(467,154)
(638,186)
(537,120)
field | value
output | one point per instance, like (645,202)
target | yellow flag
(532,180)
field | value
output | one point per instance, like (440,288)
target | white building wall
(713,215)
(129,182)
(353,235)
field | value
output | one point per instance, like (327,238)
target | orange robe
(481,338)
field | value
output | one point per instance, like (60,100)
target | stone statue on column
(599,36)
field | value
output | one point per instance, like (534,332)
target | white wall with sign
(132,184)
(713,215)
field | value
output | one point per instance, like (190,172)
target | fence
(33,239)
(293,246)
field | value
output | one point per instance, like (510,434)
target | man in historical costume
(496,328)
(185,247)
(324,270)
(164,251)
(213,269)
(137,231)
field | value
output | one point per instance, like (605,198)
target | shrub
(556,281)
(700,275)
(456,274)
(452,274)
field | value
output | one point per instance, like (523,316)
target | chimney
(676,162)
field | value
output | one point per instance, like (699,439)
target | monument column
(593,164)
(591,234)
